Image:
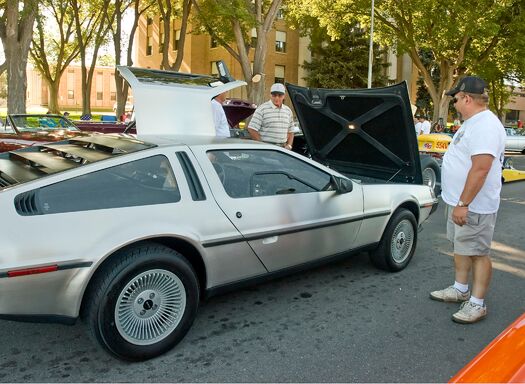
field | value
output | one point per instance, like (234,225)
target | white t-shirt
(418,128)
(483,133)
(222,129)
(425,127)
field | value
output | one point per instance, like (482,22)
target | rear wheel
(143,302)
(431,173)
(398,242)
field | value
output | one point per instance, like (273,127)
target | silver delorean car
(129,233)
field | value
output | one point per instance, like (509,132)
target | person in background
(471,186)
(417,124)
(222,129)
(66,114)
(456,124)
(423,125)
(520,124)
(272,121)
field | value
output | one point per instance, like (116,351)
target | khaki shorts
(473,238)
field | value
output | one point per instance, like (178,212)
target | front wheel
(398,242)
(143,302)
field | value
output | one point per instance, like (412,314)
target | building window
(253,41)
(176,37)
(280,41)
(279,74)
(213,42)
(280,14)
(148,37)
(214,71)
(161,34)
(113,96)
(70,94)
(100,95)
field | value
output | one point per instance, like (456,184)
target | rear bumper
(48,297)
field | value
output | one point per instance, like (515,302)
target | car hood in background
(361,132)
(237,110)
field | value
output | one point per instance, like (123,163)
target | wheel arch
(184,247)
(410,206)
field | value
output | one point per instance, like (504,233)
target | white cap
(278,87)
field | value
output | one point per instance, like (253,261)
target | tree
(121,6)
(16,32)
(230,22)
(53,52)
(180,10)
(462,36)
(343,63)
(93,20)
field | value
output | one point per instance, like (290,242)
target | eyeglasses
(455,99)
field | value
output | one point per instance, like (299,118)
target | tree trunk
(16,35)
(16,82)
(53,96)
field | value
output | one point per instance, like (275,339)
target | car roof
(169,103)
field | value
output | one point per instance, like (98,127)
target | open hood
(173,102)
(360,132)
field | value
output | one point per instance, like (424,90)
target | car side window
(141,182)
(6,128)
(250,173)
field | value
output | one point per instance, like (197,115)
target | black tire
(155,288)
(431,173)
(398,242)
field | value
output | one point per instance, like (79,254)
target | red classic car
(23,130)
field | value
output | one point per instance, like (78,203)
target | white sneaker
(450,295)
(470,313)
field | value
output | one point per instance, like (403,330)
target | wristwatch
(462,204)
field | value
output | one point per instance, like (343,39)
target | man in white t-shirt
(222,128)
(423,125)
(471,186)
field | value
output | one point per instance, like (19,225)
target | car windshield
(32,123)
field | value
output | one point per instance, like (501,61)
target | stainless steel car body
(58,242)
(308,226)
(514,142)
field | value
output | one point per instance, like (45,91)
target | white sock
(463,288)
(477,301)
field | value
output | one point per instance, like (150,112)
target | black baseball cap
(470,84)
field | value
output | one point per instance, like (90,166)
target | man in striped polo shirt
(272,121)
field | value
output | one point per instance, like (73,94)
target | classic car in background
(24,130)
(436,144)
(502,361)
(207,213)
(514,141)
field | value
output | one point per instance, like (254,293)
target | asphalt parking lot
(344,322)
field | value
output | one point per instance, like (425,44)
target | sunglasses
(277,94)
(455,99)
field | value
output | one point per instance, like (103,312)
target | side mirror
(224,73)
(341,184)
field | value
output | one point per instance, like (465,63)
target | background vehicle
(208,215)
(24,130)
(514,141)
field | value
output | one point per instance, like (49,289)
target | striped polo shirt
(272,123)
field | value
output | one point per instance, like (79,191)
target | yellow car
(510,173)
(436,144)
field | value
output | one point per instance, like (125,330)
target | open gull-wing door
(366,133)
(173,102)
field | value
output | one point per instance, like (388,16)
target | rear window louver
(34,162)
(26,204)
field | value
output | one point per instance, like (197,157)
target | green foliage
(343,63)
(461,35)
